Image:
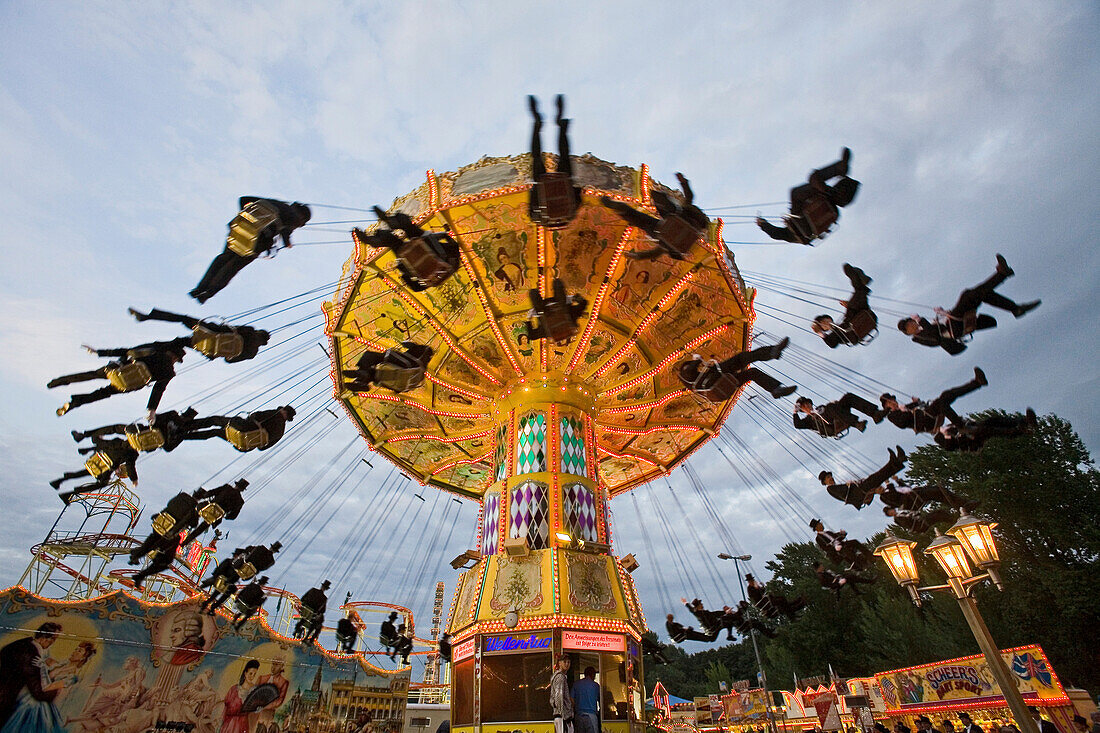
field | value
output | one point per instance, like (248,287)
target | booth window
(515,687)
(614,687)
(462,705)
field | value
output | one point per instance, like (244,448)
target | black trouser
(150,542)
(538,165)
(851,402)
(158,315)
(100,373)
(942,404)
(224,267)
(160,562)
(970,299)
(635,218)
(384,238)
(833,170)
(401,220)
(857,301)
(879,477)
(693,635)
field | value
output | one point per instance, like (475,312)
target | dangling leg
(401,220)
(100,373)
(227,272)
(116,429)
(767,382)
(739,361)
(854,402)
(158,315)
(942,404)
(538,165)
(83,399)
(782,234)
(203,289)
(631,216)
(879,477)
(833,170)
(565,162)
(70,476)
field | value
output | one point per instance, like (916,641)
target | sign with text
(590,642)
(968,679)
(514,643)
(462,651)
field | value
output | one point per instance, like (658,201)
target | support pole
(996,662)
(760,664)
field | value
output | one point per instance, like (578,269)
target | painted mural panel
(116,664)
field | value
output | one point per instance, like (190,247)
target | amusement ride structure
(541,434)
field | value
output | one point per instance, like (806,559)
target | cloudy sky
(127,132)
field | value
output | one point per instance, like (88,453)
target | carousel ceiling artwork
(643,318)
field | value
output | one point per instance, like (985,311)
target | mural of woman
(108,702)
(508,274)
(234,719)
(41,716)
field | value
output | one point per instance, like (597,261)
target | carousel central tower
(541,435)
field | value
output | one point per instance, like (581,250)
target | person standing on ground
(586,702)
(561,703)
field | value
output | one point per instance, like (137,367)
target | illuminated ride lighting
(657,311)
(597,303)
(628,456)
(438,438)
(615,430)
(412,303)
(686,349)
(430,411)
(646,405)
(460,462)
(454,387)
(489,315)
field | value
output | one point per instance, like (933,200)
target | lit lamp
(976,537)
(898,554)
(969,539)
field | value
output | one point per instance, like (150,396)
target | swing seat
(557,324)
(245,608)
(398,378)
(246,440)
(677,234)
(864,328)
(819,214)
(247,226)
(717,390)
(222,584)
(246,571)
(211,514)
(144,440)
(214,345)
(164,523)
(555,200)
(426,261)
(130,376)
(99,464)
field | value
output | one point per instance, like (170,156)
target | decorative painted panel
(578,511)
(500,455)
(531,452)
(529,514)
(490,524)
(572,446)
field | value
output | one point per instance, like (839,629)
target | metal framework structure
(71,564)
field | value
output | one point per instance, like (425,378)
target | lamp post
(968,540)
(752,634)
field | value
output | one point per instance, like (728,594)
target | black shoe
(856,274)
(845,158)
(1003,268)
(901,454)
(533,104)
(138,315)
(56,483)
(67,497)
(979,376)
(55,383)
(860,425)
(784,391)
(1023,308)
(134,560)
(560,102)
(776,351)
(879,416)
(77,435)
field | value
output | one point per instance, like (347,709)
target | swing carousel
(541,434)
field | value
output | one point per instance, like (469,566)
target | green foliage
(1044,492)
(689,676)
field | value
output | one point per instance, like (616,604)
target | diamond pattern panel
(579,512)
(490,524)
(572,446)
(529,514)
(531,444)
(500,455)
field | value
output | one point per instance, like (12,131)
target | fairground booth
(942,690)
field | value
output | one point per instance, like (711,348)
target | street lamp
(969,540)
(752,635)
